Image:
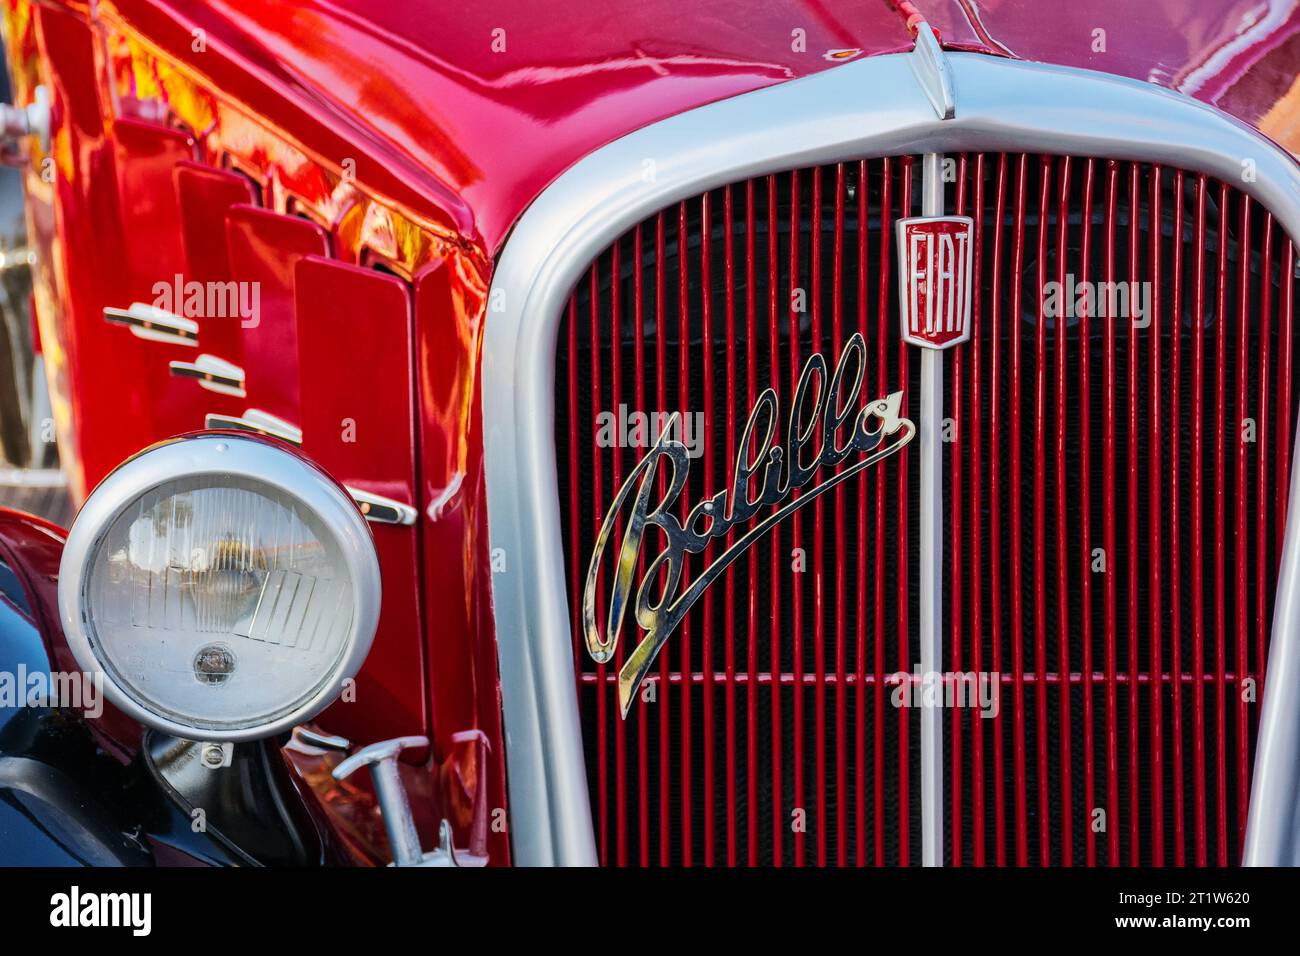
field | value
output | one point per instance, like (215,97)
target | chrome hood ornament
(819,414)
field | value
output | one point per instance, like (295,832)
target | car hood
(480,106)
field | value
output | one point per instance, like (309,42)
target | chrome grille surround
(1000,105)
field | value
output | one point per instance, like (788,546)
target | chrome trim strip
(930,423)
(868,107)
(1273,824)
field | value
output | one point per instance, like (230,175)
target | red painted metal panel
(152,271)
(147,155)
(449,307)
(205,196)
(361,429)
(264,248)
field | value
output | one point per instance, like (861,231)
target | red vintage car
(766,433)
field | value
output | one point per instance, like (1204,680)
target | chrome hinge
(154,324)
(257,421)
(213,373)
(381,510)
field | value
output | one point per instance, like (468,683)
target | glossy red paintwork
(411,136)
(206,196)
(264,247)
(483,129)
(358,424)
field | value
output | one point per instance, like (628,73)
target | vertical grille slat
(1114,498)
(1175,526)
(1112,688)
(729,256)
(903,565)
(639,360)
(995,504)
(1132,430)
(1062,554)
(956,827)
(976,523)
(1220,584)
(882,382)
(1017,531)
(841,517)
(751,657)
(1155,548)
(620,736)
(1040,511)
(796,522)
(1241,504)
(1198,563)
(774,658)
(1085,499)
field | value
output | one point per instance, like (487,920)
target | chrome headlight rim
(217,454)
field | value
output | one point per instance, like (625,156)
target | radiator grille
(771,738)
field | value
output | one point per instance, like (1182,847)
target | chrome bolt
(215,756)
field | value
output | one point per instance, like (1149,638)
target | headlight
(224,585)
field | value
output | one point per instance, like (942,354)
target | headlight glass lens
(218,601)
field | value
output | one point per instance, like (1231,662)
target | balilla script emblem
(818,415)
